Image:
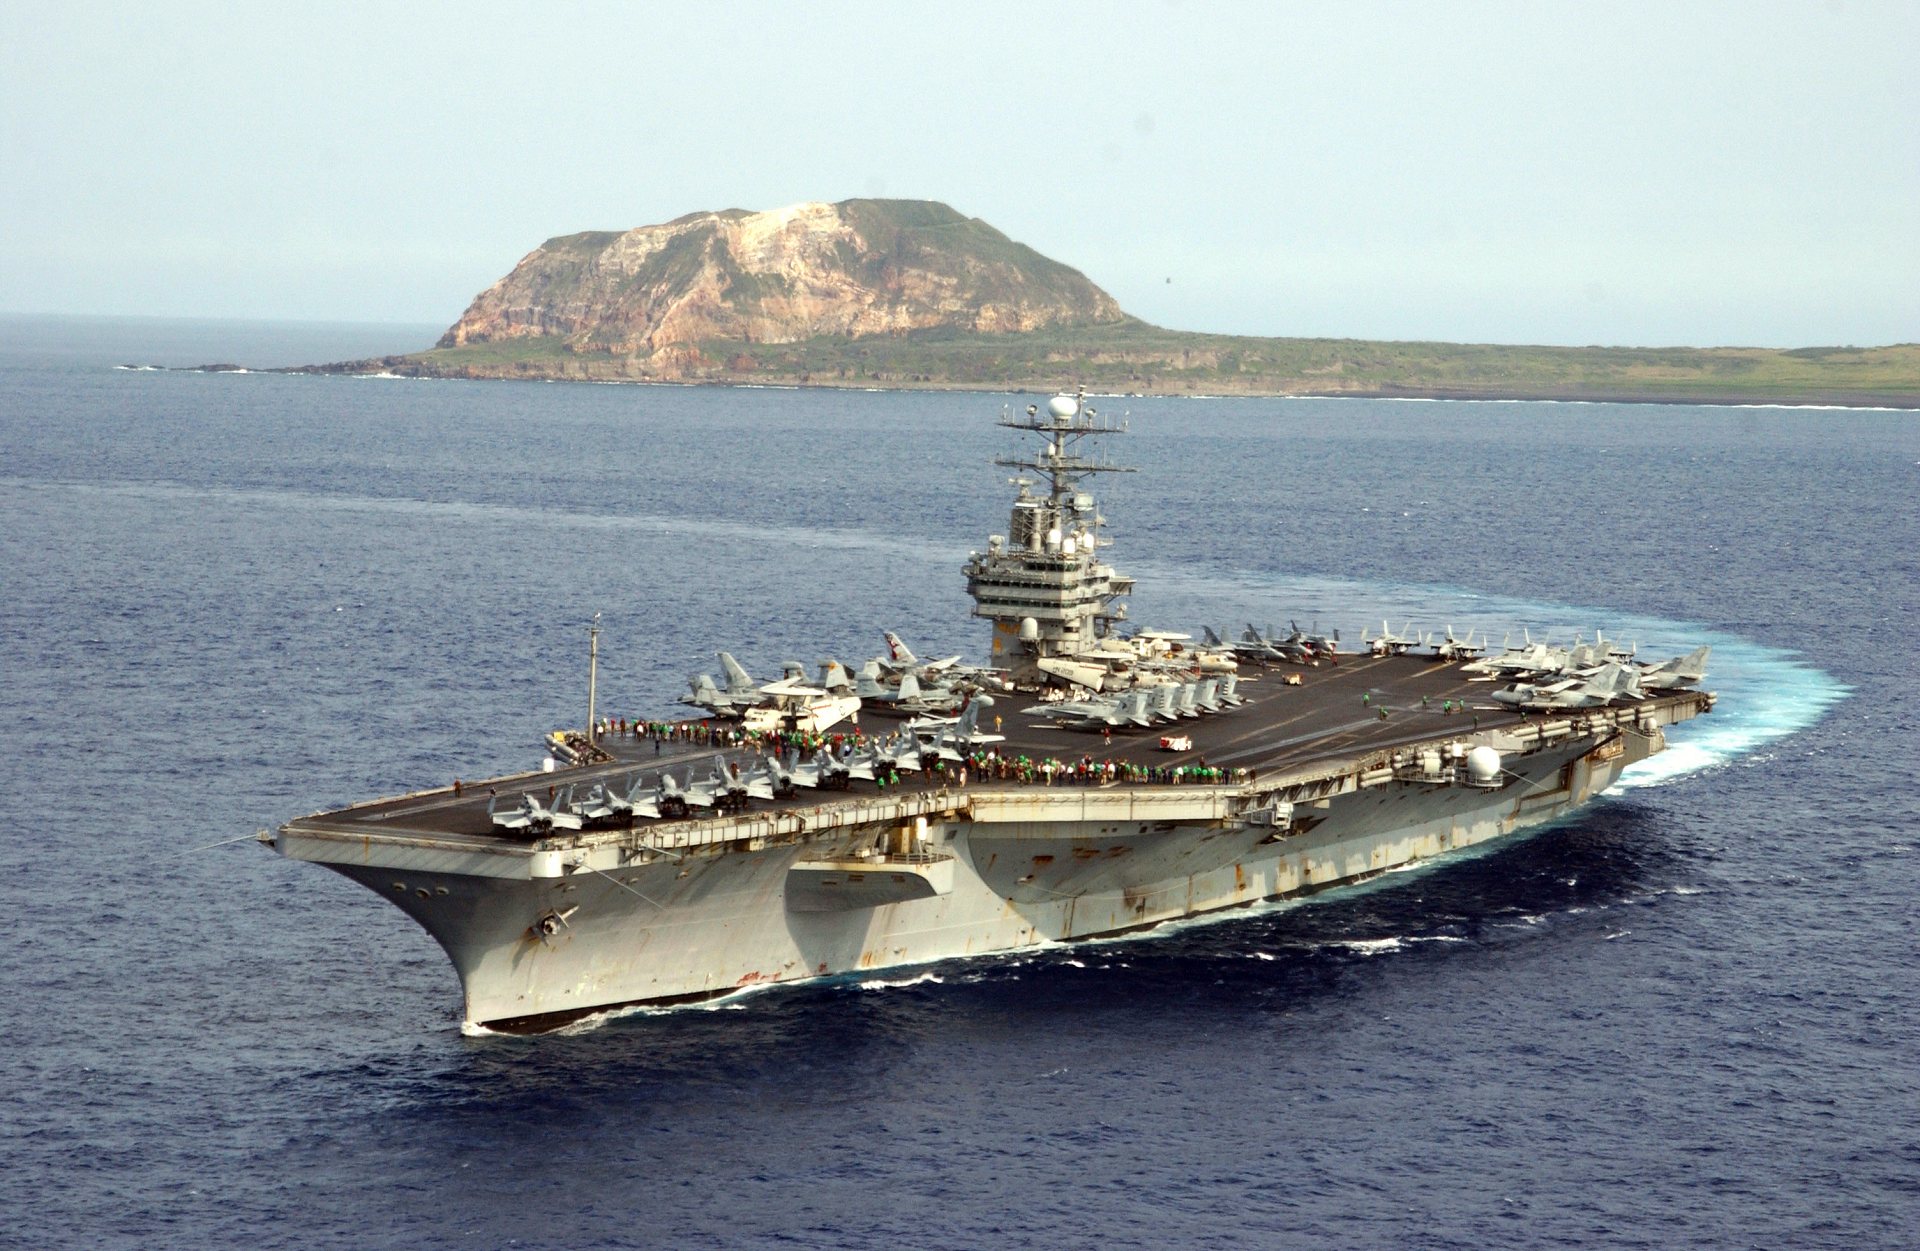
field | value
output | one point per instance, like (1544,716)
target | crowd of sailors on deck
(709,734)
(990,765)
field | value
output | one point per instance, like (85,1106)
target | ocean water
(1687,1017)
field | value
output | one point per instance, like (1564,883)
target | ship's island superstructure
(667,862)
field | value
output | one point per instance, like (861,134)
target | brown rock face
(859,267)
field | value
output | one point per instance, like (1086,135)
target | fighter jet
(1321,646)
(907,698)
(722,788)
(1451,648)
(957,741)
(1612,683)
(563,815)
(594,807)
(1125,709)
(824,770)
(1268,648)
(1534,658)
(729,789)
(834,679)
(638,800)
(528,815)
(1292,649)
(900,659)
(1387,643)
(1681,671)
(897,753)
(1163,702)
(740,693)
(1587,656)
(672,798)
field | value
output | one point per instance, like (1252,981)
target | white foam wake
(1764,694)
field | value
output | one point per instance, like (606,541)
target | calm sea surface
(1688,1018)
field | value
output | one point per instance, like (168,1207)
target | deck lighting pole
(593,676)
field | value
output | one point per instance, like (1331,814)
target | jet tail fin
(738,680)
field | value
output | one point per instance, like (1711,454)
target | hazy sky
(1529,172)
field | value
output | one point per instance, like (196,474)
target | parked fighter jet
(1451,648)
(1534,658)
(528,814)
(1592,655)
(638,800)
(907,698)
(594,807)
(722,788)
(740,693)
(1265,648)
(834,678)
(1163,703)
(824,770)
(1681,671)
(1293,648)
(946,672)
(773,778)
(563,815)
(964,736)
(899,752)
(1124,709)
(1321,646)
(900,658)
(1612,682)
(674,799)
(729,789)
(1387,643)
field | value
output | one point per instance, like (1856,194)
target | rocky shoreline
(411,367)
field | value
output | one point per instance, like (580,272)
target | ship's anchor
(551,923)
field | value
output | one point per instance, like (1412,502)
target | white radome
(1063,407)
(1483,764)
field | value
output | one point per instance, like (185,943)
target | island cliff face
(909,293)
(853,269)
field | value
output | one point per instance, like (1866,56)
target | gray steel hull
(1032,866)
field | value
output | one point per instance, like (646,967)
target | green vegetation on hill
(941,240)
(1134,357)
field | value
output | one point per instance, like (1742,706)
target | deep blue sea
(1689,1017)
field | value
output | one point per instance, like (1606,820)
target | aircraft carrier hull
(542,935)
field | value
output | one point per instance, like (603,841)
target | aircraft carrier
(1084,782)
